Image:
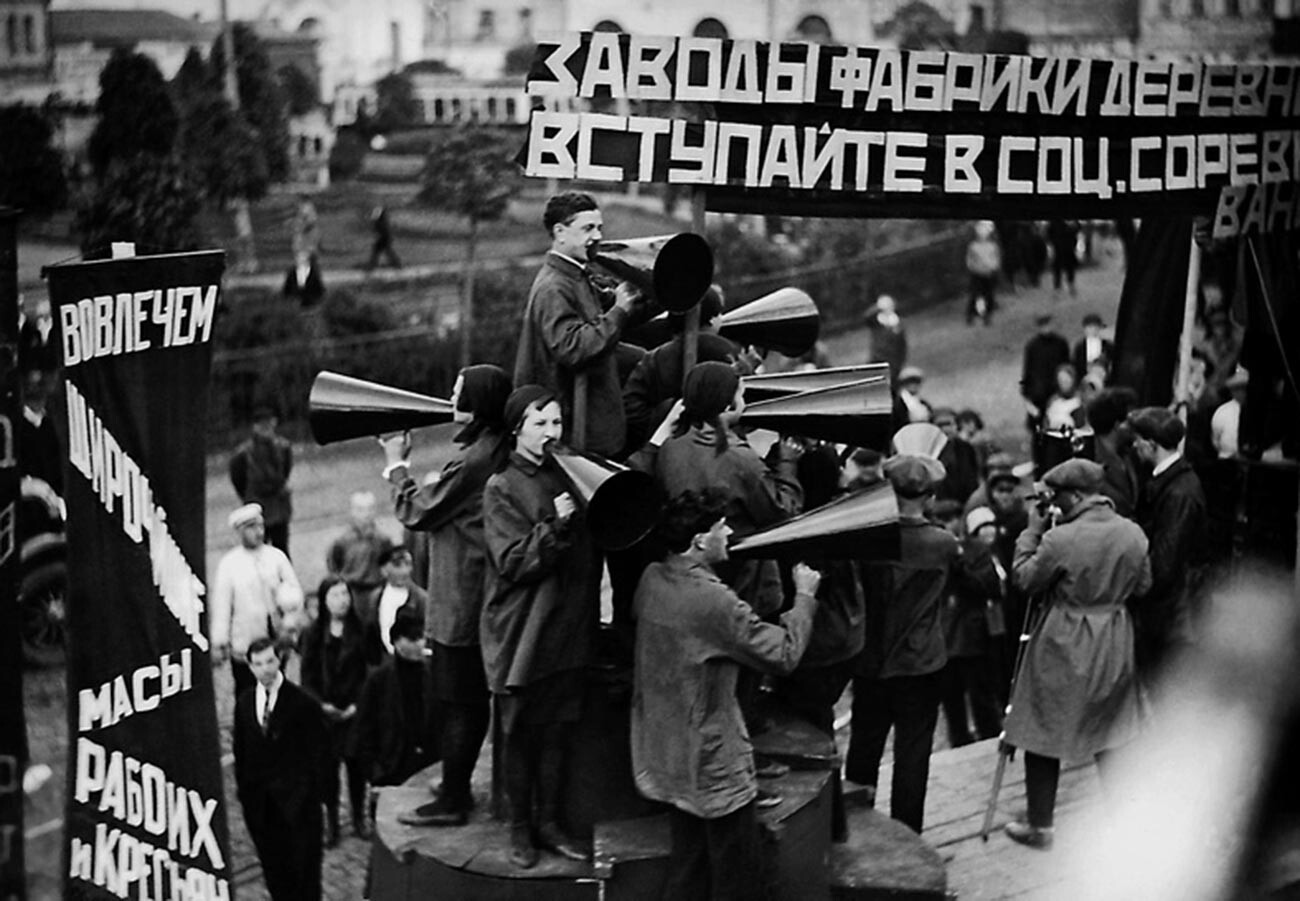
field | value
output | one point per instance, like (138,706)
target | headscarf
(521,399)
(709,389)
(483,393)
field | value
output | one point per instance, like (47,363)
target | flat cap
(913,475)
(978,518)
(1075,475)
(242,516)
(1159,425)
(910,374)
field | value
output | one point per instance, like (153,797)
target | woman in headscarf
(450,510)
(707,452)
(539,622)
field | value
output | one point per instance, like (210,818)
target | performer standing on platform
(280,749)
(539,622)
(570,331)
(690,747)
(898,679)
(450,511)
(1076,694)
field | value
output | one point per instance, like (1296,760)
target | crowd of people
(1093,562)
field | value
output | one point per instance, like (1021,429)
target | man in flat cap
(1172,513)
(255,591)
(896,682)
(1075,696)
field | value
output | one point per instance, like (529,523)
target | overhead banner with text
(145,809)
(809,129)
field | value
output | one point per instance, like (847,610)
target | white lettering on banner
(139,794)
(141,692)
(1261,208)
(896,162)
(746,71)
(123,489)
(110,325)
(128,867)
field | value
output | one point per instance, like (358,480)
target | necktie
(266,712)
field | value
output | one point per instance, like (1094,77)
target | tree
(300,92)
(471,173)
(31,169)
(261,101)
(519,58)
(140,190)
(135,110)
(395,103)
(147,199)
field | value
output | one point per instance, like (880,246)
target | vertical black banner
(13,730)
(145,809)
(1151,307)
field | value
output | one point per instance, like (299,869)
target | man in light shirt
(255,595)
(1225,425)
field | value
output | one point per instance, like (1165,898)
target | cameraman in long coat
(1076,694)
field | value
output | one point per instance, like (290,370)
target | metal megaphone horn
(855,413)
(341,407)
(674,270)
(786,321)
(920,439)
(858,526)
(781,384)
(622,504)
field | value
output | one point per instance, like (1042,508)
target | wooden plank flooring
(960,779)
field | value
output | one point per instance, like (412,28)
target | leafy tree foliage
(471,172)
(136,113)
(300,92)
(519,58)
(147,199)
(395,103)
(31,169)
(261,100)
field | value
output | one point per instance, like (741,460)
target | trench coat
(690,747)
(451,511)
(1076,692)
(542,589)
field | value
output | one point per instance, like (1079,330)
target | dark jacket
(658,377)
(283,766)
(565,333)
(962,463)
(904,596)
(417,605)
(839,625)
(542,590)
(385,745)
(758,495)
(310,290)
(334,679)
(1043,353)
(1080,356)
(259,470)
(1119,479)
(451,512)
(974,585)
(1172,514)
(690,747)
(354,557)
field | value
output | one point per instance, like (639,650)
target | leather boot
(523,853)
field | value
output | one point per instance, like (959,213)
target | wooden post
(691,332)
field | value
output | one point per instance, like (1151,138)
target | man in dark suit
(1092,349)
(1045,351)
(279,765)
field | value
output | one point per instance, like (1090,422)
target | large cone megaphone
(622,504)
(859,526)
(341,407)
(780,384)
(920,439)
(674,270)
(857,413)
(786,321)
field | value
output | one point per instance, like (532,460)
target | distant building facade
(26,54)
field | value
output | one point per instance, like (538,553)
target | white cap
(979,517)
(245,515)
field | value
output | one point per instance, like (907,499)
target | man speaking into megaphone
(567,340)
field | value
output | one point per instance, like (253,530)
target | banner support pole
(691,333)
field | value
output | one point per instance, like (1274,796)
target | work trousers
(1042,775)
(909,705)
(973,678)
(716,859)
